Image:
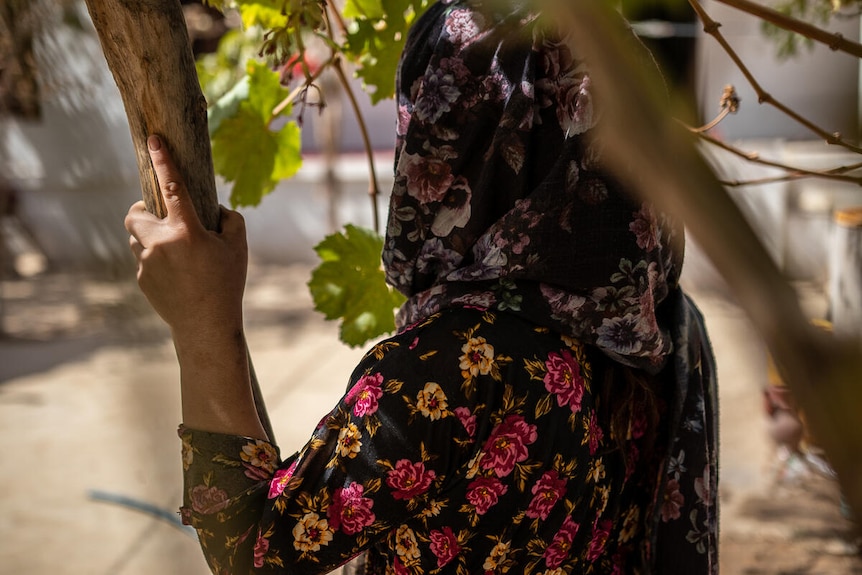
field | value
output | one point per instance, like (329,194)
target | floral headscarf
(501,200)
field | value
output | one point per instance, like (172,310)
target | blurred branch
(794,172)
(711,27)
(835,41)
(659,160)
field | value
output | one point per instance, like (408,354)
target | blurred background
(89,400)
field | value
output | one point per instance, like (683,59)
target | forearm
(216,383)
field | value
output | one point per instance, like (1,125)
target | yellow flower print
(597,471)
(310,533)
(478,358)
(497,556)
(349,442)
(630,524)
(473,466)
(603,493)
(433,508)
(432,402)
(259,454)
(406,545)
(188,453)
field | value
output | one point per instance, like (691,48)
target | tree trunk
(147,48)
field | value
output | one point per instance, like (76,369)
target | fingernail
(154,143)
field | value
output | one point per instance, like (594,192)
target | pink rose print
(645,229)
(546,492)
(507,445)
(408,480)
(364,394)
(594,432)
(350,511)
(261,546)
(673,500)
(558,550)
(639,424)
(444,546)
(467,419)
(398,568)
(208,499)
(564,379)
(484,492)
(279,481)
(429,177)
(601,531)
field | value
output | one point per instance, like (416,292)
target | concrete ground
(89,406)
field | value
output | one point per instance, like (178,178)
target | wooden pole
(147,48)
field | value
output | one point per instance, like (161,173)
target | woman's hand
(195,280)
(192,277)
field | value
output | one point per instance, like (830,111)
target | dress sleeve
(378,459)
(226,479)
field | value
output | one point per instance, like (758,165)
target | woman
(547,405)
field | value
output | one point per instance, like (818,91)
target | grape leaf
(246,150)
(349,285)
(376,43)
(266,14)
(363,9)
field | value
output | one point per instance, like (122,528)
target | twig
(298,90)
(835,41)
(331,8)
(836,174)
(729,104)
(711,27)
(373,189)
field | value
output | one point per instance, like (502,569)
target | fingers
(232,223)
(177,200)
(136,247)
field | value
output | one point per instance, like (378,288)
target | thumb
(178,202)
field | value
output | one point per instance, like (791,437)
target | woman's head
(500,195)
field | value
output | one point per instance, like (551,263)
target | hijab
(501,200)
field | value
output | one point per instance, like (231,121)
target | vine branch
(711,27)
(834,40)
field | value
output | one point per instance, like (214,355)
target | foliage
(349,285)
(816,11)
(256,143)
(246,149)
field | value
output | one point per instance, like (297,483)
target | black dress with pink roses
(498,431)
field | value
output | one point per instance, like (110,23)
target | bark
(147,47)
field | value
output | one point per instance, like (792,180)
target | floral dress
(548,405)
(473,442)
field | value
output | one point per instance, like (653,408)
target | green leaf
(246,150)
(349,285)
(228,105)
(264,13)
(363,9)
(376,42)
